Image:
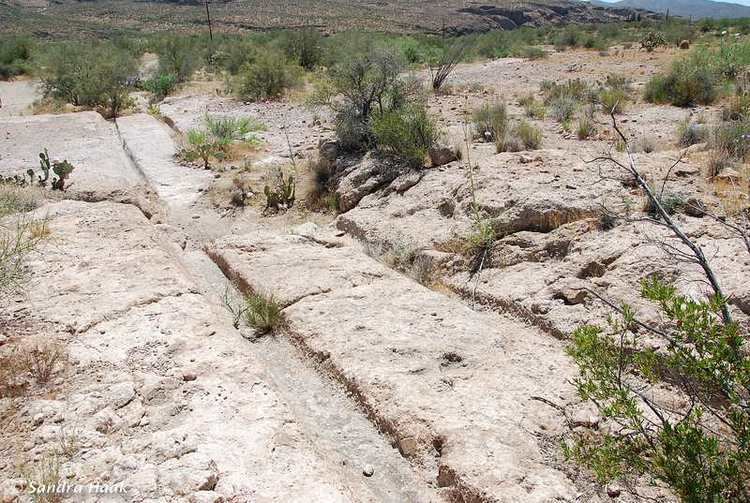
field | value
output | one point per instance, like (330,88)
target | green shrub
(233,54)
(91,76)
(490,121)
(15,55)
(575,89)
(160,85)
(267,78)
(17,241)
(226,130)
(281,192)
(732,138)
(304,47)
(178,56)
(529,52)
(263,313)
(613,100)
(405,133)
(691,81)
(360,86)
(201,145)
(702,450)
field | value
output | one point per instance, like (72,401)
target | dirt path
(17,96)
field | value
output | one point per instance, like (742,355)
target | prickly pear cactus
(61,170)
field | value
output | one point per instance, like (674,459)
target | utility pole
(208,17)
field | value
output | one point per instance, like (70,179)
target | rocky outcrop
(509,17)
(86,140)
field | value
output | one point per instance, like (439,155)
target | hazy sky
(741,2)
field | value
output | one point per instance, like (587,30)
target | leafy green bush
(232,54)
(702,450)
(160,85)
(304,47)
(691,81)
(15,55)
(267,78)
(201,145)
(178,56)
(360,86)
(529,52)
(96,76)
(405,133)
(226,130)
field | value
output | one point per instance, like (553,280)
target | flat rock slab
(452,386)
(85,139)
(151,146)
(163,394)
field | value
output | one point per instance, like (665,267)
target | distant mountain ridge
(55,18)
(684,8)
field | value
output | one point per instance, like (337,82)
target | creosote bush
(305,47)
(15,56)
(268,77)
(405,133)
(160,85)
(94,76)
(691,81)
(702,450)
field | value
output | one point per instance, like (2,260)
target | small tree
(363,84)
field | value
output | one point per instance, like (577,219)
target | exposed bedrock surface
(452,387)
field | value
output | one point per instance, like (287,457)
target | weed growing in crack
(263,313)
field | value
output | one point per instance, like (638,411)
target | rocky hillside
(99,16)
(685,8)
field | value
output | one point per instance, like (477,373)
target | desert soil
(399,376)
